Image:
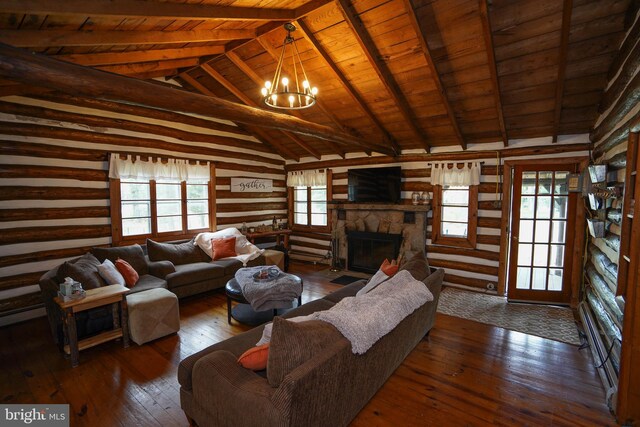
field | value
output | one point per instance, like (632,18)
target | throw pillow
(223,248)
(110,273)
(131,277)
(255,358)
(375,280)
(268,328)
(292,344)
(418,266)
(83,270)
(389,268)
(133,254)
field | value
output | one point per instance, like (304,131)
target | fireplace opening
(366,251)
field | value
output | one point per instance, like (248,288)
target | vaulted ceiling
(403,74)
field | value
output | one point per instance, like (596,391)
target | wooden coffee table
(112,294)
(243,312)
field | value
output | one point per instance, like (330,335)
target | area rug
(556,323)
(345,279)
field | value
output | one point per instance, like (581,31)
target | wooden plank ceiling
(404,74)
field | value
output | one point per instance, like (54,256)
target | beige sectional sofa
(327,389)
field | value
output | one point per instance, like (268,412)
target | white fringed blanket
(364,319)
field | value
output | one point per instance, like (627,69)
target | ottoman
(152,314)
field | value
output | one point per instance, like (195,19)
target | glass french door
(542,230)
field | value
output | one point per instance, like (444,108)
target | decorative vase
(425,198)
(415,198)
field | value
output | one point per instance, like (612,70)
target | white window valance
(174,169)
(448,173)
(310,178)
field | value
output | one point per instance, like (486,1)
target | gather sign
(251,185)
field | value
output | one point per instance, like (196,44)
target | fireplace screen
(366,251)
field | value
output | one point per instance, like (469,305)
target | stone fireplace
(407,222)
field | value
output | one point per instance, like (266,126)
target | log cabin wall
(54,200)
(619,113)
(472,268)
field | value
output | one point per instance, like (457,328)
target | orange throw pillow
(389,268)
(223,248)
(131,276)
(255,358)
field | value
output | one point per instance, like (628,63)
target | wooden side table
(114,295)
(277,233)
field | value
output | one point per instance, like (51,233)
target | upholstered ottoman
(152,314)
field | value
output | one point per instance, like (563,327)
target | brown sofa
(327,389)
(179,266)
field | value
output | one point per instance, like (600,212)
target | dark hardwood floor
(465,373)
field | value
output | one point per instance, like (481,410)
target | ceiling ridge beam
(116,58)
(48,38)
(353,93)
(143,9)
(247,100)
(248,71)
(382,70)
(421,34)
(264,139)
(567,9)
(149,67)
(493,69)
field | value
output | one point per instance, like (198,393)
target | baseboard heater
(599,351)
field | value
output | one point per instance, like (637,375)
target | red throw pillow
(223,248)
(131,276)
(255,358)
(389,268)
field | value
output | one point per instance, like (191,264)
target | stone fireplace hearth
(409,221)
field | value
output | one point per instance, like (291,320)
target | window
(310,206)
(455,215)
(152,208)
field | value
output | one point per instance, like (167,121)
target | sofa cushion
(223,248)
(434,281)
(147,282)
(131,277)
(310,307)
(177,253)
(133,254)
(83,270)
(110,273)
(230,265)
(187,274)
(418,266)
(255,358)
(292,344)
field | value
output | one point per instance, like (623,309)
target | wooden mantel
(379,207)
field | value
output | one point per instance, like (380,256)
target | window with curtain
(309,193)
(154,199)
(455,204)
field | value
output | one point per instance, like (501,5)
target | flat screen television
(374,185)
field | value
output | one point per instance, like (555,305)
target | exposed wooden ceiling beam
(248,71)
(421,33)
(309,7)
(382,70)
(353,93)
(278,148)
(115,58)
(144,9)
(567,9)
(39,70)
(249,101)
(146,67)
(36,38)
(488,43)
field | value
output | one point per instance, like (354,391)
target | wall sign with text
(251,185)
